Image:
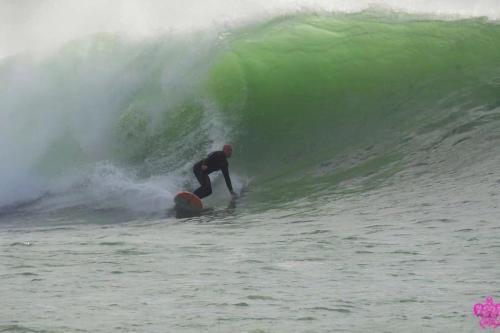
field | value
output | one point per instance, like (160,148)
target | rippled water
(403,258)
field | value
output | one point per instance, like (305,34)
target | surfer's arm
(225,172)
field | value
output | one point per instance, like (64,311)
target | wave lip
(149,17)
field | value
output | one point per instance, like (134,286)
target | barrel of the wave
(187,204)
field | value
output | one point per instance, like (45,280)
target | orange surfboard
(188,201)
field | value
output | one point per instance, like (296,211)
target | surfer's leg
(199,174)
(205,189)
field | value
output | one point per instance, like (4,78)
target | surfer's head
(228,150)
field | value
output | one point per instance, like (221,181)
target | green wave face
(308,100)
(308,88)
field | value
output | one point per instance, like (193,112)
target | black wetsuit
(215,161)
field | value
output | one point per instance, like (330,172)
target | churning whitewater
(368,144)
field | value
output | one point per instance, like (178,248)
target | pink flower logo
(488,312)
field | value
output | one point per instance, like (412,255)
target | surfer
(215,161)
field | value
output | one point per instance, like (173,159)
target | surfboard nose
(188,201)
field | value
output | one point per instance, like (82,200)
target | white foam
(63,117)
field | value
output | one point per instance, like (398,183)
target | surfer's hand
(204,167)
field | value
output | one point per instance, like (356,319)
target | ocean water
(366,147)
